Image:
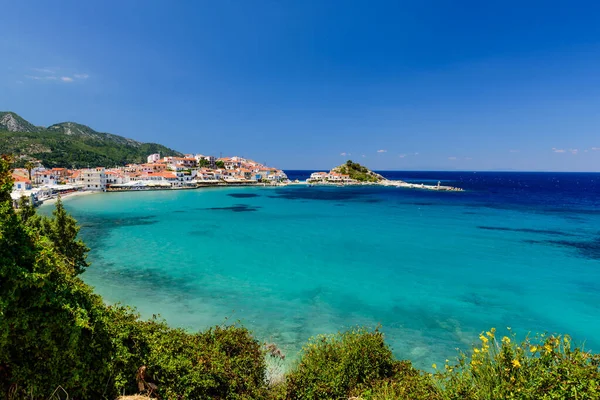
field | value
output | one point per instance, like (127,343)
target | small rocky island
(352,173)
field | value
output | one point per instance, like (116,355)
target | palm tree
(29,166)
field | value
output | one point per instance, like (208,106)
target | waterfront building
(94,178)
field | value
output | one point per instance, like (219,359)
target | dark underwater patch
(370,201)
(585,248)
(234,208)
(179,211)
(242,195)
(469,213)
(202,233)
(322,194)
(526,230)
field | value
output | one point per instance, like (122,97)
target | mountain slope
(69,144)
(11,122)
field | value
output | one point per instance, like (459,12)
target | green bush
(407,383)
(333,366)
(545,367)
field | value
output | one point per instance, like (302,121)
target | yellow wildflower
(516,363)
(490,334)
(483,338)
(533,349)
(548,348)
(476,350)
(434,366)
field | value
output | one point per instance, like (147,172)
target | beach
(70,196)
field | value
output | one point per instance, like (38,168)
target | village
(191,171)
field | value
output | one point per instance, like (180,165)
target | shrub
(407,383)
(545,367)
(333,366)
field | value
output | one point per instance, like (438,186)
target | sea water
(433,269)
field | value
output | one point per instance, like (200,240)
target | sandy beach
(71,195)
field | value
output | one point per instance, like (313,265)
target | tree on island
(358,172)
(220,164)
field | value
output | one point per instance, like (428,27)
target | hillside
(69,144)
(358,172)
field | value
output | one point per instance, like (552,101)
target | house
(60,174)
(246,173)
(153,167)
(45,178)
(116,178)
(319,176)
(211,160)
(152,158)
(230,163)
(21,183)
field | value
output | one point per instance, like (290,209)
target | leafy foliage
(220,164)
(73,145)
(545,367)
(333,366)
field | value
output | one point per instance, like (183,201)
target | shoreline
(69,196)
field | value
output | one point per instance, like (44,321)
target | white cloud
(416,154)
(596,148)
(41,78)
(514,151)
(573,151)
(382,151)
(54,74)
(452,158)
(554,149)
(44,70)
(345,154)
(468,158)
(363,156)
(401,155)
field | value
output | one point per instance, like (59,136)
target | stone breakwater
(400,184)
(421,186)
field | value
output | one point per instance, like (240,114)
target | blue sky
(308,84)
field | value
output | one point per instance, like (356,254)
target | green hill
(358,172)
(69,144)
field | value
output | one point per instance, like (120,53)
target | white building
(152,158)
(211,160)
(94,179)
(319,176)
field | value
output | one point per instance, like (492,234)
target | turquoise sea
(433,269)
